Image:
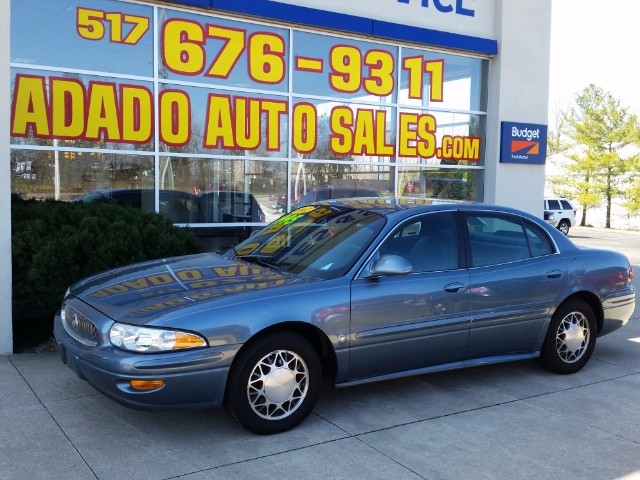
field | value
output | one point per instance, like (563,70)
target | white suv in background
(564,214)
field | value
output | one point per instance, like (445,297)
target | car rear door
(515,278)
(404,322)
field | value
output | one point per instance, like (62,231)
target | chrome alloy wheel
(564,228)
(278,384)
(572,337)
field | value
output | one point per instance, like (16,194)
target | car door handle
(554,274)
(454,287)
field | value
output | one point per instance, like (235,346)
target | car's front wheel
(274,384)
(564,226)
(570,339)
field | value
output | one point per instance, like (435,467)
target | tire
(274,384)
(564,226)
(570,339)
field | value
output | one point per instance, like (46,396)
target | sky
(595,41)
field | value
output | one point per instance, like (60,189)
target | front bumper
(193,378)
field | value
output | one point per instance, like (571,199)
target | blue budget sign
(523,143)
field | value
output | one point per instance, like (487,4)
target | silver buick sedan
(341,292)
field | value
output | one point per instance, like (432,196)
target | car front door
(410,321)
(515,278)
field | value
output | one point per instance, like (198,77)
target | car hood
(139,293)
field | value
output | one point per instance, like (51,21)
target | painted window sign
(226,86)
(523,143)
(93,24)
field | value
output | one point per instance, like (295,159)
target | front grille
(80,327)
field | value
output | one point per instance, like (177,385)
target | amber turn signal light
(145,385)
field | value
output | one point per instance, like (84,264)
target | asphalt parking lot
(508,421)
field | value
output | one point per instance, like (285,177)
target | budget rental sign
(523,143)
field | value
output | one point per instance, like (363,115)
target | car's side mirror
(389,265)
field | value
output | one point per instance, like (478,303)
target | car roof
(403,207)
(389,205)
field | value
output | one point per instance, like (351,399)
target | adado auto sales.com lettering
(210,51)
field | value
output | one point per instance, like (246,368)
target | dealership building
(225,114)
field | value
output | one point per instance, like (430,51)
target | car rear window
(554,204)
(539,241)
(566,205)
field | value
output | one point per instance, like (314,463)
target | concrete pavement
(507,421)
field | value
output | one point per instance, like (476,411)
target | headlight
(143,339)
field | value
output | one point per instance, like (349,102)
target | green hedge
(54,244)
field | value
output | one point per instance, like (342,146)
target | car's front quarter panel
(323,306)
(193,378)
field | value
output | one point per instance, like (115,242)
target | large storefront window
(314,181)
(246,190)
(225,124)
(81,111)
(89,35)
(70,174)
(443,183)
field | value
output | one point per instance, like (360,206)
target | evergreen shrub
(55,244)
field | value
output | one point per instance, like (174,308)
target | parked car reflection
(229,206)
(177,206)
(184,207)
(333,193)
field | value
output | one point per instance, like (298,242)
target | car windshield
(314,241)
(91,197)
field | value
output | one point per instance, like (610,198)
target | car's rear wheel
(274,384)
(564,226)
(570,339)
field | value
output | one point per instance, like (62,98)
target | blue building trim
(349,23)
(434,38)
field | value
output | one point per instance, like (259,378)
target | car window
(92,197)
(566,205)
(429,242)
(180,207)
(539,241)
(323,194)
(306,199)
(409,230)
(496,238)
(228,207)
(554,205)
(128,198)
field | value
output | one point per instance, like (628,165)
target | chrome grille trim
(80,327)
